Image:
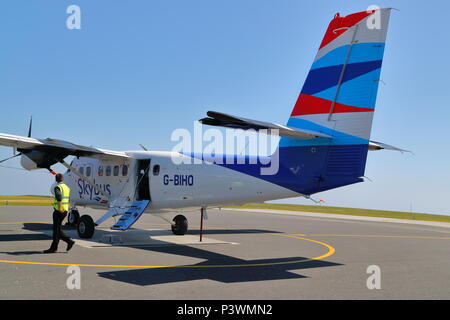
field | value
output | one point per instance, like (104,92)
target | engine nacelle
(27,163)
(41,159)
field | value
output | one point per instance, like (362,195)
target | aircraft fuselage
(154,176)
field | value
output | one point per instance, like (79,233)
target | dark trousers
(58,234)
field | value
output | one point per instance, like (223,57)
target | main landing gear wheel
(86,227)
(73,218)
(181,225)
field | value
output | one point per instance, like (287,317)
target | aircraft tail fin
(338,98)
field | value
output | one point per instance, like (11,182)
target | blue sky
(137,70)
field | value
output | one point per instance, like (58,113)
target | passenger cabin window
(81,170)
(108,171)
(116,171)
(156,170)
(100,171)
(88,171)
(124,170)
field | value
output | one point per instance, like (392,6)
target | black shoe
(49,251)
(70,245)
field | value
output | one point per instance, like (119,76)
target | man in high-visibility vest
(60,209)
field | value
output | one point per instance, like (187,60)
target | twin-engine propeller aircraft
(323,146)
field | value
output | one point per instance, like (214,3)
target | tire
(73,218)
(181,225)
(86,227)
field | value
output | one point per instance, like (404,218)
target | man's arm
(58,198)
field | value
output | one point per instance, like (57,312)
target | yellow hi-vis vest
(65,197)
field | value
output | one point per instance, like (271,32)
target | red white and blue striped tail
(338,97)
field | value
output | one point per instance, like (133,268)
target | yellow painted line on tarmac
(82,265)
(330,252)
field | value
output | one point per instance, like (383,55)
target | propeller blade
(16,155)
(29,129)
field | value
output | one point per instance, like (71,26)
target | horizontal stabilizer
(224,120)
(375,146)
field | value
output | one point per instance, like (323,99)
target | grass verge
(347,211)
(47,201)
(25,201)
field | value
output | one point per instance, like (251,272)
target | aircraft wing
(224,120)
(46,152)
(10,140)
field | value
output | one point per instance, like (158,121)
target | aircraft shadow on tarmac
(234,270)
(23,237)
(23,253)
(27,237)
(216,231)
(47,226)
(229,274)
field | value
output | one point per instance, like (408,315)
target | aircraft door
(143,182)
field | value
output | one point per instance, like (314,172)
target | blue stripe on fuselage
(302,169)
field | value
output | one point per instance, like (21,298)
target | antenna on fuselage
(143,147)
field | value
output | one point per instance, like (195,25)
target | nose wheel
(180,226)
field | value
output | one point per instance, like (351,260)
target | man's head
(59,177)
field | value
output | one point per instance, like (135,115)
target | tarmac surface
(243,255)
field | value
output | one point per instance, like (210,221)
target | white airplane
(323,146)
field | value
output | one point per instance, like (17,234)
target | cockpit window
(156,170)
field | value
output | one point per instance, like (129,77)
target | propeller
(20,153)
(29,128)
